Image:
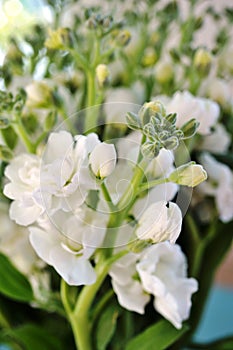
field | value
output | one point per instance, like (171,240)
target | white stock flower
(65,175)
(103,160)
(187,106)
(218,185)
(163,273)
(118,102)
(160,223)
(217,142)
(160,270)
(128,289)
(23,173)
(68,242)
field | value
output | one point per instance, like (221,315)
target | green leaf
(12,283)
(106,326)
(156,337)
(190,128)
(10,137)
(133,121)
(35,337)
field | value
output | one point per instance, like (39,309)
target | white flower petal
(73,269)
(25,214)
(103,159)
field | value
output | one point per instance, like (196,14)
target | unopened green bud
(202,61)
(58,39)
(5,153)
(189,129)
(149,109)
(50,120)
(4,123)
(190,174)
(102,74)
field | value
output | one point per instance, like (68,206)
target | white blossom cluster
(50,195)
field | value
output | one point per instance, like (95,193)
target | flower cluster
(115,170)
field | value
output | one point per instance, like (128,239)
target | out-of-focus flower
(160,222)
(189,174)
(219,90)
(23,173)
(39,95)
(103,160)
(217,142)
(218,185)
(67,242)
(187,106)
(163,273)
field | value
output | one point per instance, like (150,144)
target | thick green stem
(91,115)
(23,135)
(79,318)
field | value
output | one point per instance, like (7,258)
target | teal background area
(217,320)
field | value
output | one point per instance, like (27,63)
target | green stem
(91,115)
(67,120)
(107,197)
(150,184)
(79,317)
(22,133)
(131,191)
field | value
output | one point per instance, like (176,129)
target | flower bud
(123,38)
(190,174)
(164,72)
(5,153)
(149,58)
(102,74)
(58,39)
(202,61)
(103,160)
(39,95)
(149,109)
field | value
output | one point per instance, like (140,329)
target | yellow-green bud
(164,72)
(102,74)
(58,39)
(202,60)
(190,174)
(149,58)
(149,109)
(123,38)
